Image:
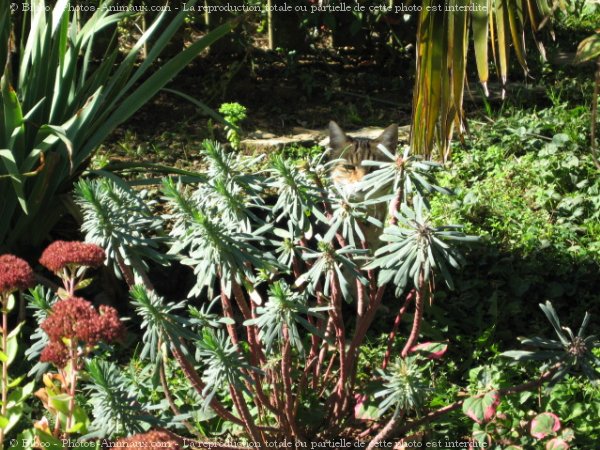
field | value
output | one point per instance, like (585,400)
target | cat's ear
(337,137)
(389,138)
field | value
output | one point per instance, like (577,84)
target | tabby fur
(353,151)
(350,154)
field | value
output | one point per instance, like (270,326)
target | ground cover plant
(285,257)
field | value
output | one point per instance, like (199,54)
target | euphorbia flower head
(61,254)
(15,274)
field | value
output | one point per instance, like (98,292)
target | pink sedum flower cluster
(61,254)
(15,274)
(76,319)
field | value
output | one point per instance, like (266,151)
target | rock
(260,141)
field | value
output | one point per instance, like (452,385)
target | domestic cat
(353,151)
(348,170)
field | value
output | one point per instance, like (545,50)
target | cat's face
(352,152)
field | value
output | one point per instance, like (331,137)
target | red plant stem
(296,268)
(228,312)
(169,397)
(197,383)
(72,384)
(242,407)
(360,301)
(418,318)
(361,289)
(286,376)
(137,267)
(314,342)
(326,374)
(338,322)
(329,330)
(4,298)
(392,336)
(126,271)
(386,431)
(302,382)
(257,353)
(361,331)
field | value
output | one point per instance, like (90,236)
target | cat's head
(352,152)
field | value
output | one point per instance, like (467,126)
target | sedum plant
(15,276)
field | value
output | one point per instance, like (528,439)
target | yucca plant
(443,42)
(58,105)
(589,50)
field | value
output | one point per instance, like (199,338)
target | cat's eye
(349,167)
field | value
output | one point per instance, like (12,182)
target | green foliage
(404,386)
(161,326)
(59,106)
(528,183)
(116,412)
(416,249)
(224,365)
(228,229)
(120,221)
(570,352)
(233,113)
(288,309)
(40,301)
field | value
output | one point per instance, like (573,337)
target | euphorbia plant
(300,348)
(294,368)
